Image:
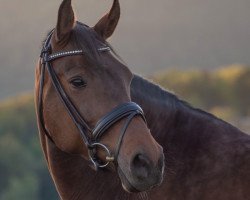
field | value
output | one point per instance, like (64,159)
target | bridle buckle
(92,154)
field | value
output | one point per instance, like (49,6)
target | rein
(90,137)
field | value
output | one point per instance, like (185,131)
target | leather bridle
(91,137)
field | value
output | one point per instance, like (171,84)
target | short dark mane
(163,96)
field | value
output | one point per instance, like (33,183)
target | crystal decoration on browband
(70,53)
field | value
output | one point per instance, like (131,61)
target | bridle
(90,137)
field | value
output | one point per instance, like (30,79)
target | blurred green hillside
(23,172)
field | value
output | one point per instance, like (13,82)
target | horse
(205,157)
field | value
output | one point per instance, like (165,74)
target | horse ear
(107,24)
(65,22)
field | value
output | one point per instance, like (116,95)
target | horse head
(85,106)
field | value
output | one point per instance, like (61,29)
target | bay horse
(205,157)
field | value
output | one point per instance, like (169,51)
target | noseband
(91,137)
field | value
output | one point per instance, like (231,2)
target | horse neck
(198,147)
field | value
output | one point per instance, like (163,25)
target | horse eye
(78,83)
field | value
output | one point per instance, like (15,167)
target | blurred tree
(242,93)
(23,172)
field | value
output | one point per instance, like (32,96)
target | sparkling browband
(55,56)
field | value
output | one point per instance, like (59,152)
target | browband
(55,56)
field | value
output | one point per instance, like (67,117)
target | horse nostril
(140,166)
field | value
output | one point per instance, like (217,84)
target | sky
(151,35)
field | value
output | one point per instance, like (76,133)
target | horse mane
(164,97)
